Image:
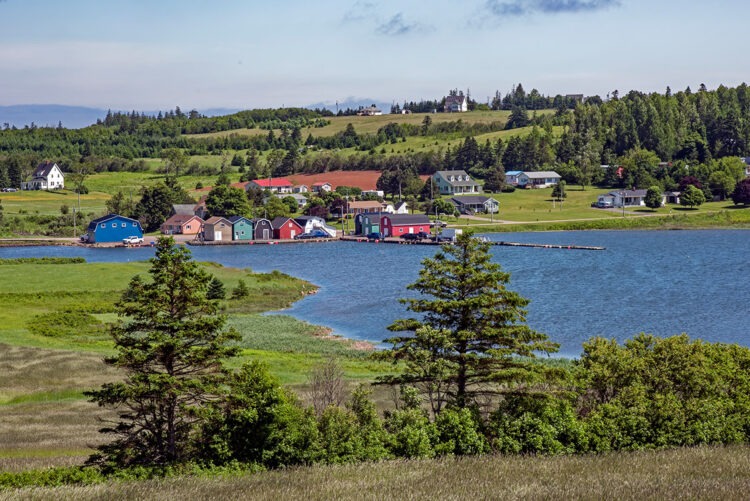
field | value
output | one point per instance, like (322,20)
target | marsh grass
(687,473)
(285,334)
(54,334)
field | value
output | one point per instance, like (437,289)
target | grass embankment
(53,336)
(688,473)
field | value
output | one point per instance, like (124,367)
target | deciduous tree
(653,197)
(741,193)
(692,197)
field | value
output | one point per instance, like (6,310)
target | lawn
(538,206)
(22,203)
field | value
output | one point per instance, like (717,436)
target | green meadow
(54,319)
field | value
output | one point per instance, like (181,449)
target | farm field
(370,125)
(49,202)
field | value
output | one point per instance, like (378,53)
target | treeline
(138,135)
(516,98)
(195,123)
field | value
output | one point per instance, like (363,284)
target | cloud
(368,13)
(515,8)
(396,26)
(360,11)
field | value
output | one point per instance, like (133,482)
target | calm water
(663,282)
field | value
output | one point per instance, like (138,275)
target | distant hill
(42,115)
(351,102)
(76,117)
(72,117)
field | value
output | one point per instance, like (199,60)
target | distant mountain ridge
(49,115)
(71,117)
(351,103)
(76,117)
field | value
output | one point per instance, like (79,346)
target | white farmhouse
(48,176)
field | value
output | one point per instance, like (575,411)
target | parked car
(312,234)
(410,236)
(375,235)
(10,189)
(415,236)
(132,240)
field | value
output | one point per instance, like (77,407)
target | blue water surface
(662,282)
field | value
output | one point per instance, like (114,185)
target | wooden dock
(550,246)
(396,240)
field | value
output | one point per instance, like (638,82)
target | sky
(158,54)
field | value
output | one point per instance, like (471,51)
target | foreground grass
(687,473)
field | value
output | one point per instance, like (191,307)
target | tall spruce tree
(170,341)
(471,341)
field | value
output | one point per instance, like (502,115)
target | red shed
(395,225)
(285,228)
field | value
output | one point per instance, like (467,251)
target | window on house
(123,225)
(103,225)
(114,225)
(400,230)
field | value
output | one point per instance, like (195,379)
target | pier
(425,241)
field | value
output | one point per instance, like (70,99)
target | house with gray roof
(300,199)
(622,198)
(451,182)
(539,179)
(475,203)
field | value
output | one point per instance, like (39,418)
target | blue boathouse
(112,228)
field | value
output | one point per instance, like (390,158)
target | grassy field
(690,473)
(370,125)
(49,202)
(53,336)
(535,210)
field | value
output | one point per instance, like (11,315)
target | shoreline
(725,219)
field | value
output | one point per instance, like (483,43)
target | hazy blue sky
(156,54)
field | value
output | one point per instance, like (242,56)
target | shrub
(258,422)
(537,424)
(459,433)
(657,392)
(67,324)
(241,291)
(411,433)
(216,289)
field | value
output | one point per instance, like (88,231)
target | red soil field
(364,179)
